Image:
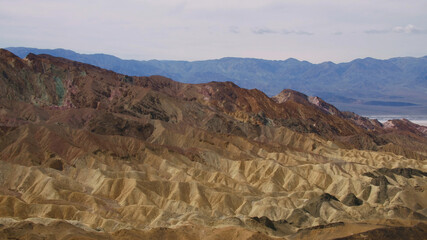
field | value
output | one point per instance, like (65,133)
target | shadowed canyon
(87,153)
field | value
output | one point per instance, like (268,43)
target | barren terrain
(86,153)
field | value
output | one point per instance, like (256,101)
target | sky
(311,30)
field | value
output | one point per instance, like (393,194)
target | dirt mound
(418,231)
(351,200)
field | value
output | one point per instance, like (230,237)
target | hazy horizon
(197,30)
(133,59)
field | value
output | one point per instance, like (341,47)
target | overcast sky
(312,30)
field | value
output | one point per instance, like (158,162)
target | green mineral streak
(43,92)
(60,90)
(82,73)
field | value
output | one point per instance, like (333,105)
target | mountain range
(396,86)
(87,153)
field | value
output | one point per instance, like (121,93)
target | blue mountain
(366,86)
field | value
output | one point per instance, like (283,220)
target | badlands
(87,153)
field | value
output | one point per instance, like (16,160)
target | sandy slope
(143,186)
(98,155)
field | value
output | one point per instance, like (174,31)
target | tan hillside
(90,154)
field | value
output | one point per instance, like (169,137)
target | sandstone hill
(87,153)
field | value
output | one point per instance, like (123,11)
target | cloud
(338,33)
(408,29)
(263,30)
(286,32)
(377,31)
(234,29)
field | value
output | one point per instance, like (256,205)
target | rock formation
(90,154)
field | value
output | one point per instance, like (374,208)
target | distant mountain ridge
(366,86)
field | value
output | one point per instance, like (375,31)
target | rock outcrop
(88,153)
